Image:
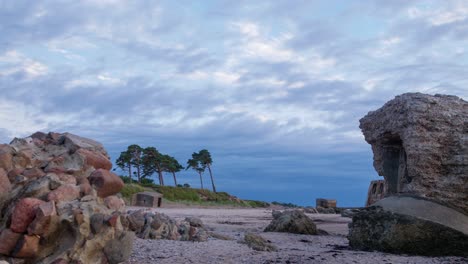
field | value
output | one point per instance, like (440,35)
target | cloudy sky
(274,89)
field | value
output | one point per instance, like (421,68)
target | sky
(273,89)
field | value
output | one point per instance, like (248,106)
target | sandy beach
(292,248)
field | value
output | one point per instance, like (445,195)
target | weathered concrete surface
(420,145)
(374,228)
(426,210)
(49,210)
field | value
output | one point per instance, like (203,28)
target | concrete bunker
(147,199)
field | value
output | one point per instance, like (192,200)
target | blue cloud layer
(274,89)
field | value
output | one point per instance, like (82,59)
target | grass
(190,196)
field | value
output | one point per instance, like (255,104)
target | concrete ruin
(420,146)
(325,203)
(147,199)
(376,192)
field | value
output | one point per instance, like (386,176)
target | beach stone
(420,144)
(115,203)
(294,221)
(258,243)
(13,173)
(8,240)
(194,221)
(6,157)
(5,185)
(119,250)
(105,182)
(28,247)
(64,193)
(24,213)
(95,159)
(45,220)
(33,173)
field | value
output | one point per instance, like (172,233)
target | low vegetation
(188,195)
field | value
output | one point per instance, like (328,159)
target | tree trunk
(175,180)
(212,182)
(130,172)
(161,178)
(138,173)
(201,180)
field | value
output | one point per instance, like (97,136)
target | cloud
(274,89)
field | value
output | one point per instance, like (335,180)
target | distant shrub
(290,205)
(256,204)
(186,185)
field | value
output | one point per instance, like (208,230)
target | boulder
(105,182)
(115,203)
(5,185)
(24,213)
(64,193)
(49,211)
(149,225)
(95,159)
(258,243)
(294,221)
(8,241)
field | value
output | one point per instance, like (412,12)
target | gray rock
(119,250)
(258,243)
(292,222)
(194,221)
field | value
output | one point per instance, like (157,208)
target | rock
(33,173)
(24,213)
(115,203)
(149,225)
(75,225)
(120,249)
(322,210)
(5,185)
(95,159)
(45,220)
(349,212)
(97,222)
(6,157)
(293,221)
(74,142)
(13,173)
(105,182)
(258,243)
(28,247)
(374,228)
(194,221)
(136,221)
(419,144)
(64,193)
(8,240)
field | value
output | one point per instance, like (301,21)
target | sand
(292,248)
